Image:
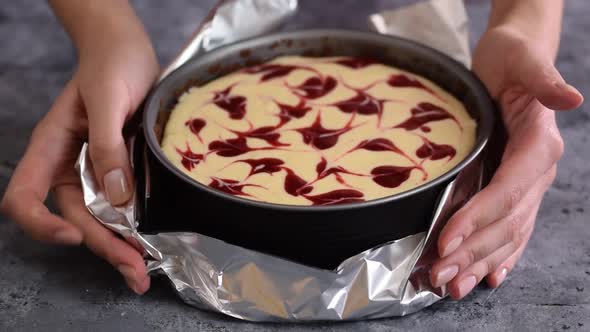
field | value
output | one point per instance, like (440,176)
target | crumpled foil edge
(389,280)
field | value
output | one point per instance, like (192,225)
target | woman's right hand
(113,76)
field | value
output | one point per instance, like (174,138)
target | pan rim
(486,109)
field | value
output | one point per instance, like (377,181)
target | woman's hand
(112,78)
(487,236)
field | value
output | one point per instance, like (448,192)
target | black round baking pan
(321,236)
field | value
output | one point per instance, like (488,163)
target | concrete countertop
(51,288)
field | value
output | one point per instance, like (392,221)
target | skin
(514,59)
(117,66)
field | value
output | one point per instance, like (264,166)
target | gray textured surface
(51,288)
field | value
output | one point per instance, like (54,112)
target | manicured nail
(68,236)
(142,286)
(130,277)
(133,286)
(452,246)
(565,86)
(466,285)
(502,275)
(445,275)
(115,186)
(128,272)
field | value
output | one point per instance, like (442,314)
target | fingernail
(445,275)
(68,236)
(502,275)
(565,86)
(128,272)
(115,186)
(131,278)
(466,285)
(142,286)
(452,246)
(133,286)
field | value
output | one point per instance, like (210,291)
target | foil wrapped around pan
(388,280)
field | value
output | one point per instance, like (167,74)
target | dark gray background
(53,288)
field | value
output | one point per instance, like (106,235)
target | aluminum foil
(446,30)
(389,280)
(233,20)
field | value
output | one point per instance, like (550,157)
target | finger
(532,150)
(498,276)
(467,279)
(539,76)
(499,273)
(126,259)
(24,198)
(464,283)
(107,106)
(136,245)
(461,285)
(504,235)
(26,208)
(507,233)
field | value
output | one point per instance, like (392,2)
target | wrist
(115,42)
(99,26)
(514,38)
(534,21)
(102,36)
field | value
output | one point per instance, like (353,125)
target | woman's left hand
(486,237)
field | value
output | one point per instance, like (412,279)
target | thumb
(540,77)
(107,108)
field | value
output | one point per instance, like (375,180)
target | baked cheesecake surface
(317,131)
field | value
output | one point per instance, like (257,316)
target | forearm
(538,20)
(96,25)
